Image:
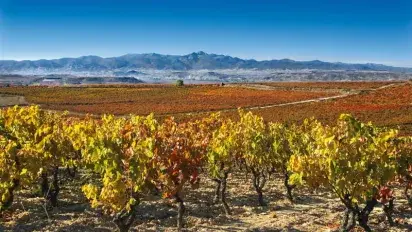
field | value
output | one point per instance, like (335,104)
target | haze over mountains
(197,66)
(193,61)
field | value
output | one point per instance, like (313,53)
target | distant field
(160,99)
(386,107)
(346,85)
(389,106)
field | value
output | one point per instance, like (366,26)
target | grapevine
(121,160)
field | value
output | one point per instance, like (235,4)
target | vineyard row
(128,158)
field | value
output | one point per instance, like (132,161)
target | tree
(282,139)
(354,160)
(179,83)
(56,151)
(224,149)
(10,171)
(179,154)
(120,152)
(255,148)
(30,145)
(404,165)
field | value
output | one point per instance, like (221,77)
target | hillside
(193,61)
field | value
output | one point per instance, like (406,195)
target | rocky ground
(318,211)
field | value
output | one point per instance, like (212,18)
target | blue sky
(347,31)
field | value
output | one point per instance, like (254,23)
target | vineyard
(385,103)
(207,174)
(390,107)
(350,85)
(160,99)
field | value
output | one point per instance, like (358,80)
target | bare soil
(11,100)
(319,211)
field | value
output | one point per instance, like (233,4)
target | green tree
(179,83)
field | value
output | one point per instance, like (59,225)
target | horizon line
(212,53)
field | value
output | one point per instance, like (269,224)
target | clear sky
(334,30)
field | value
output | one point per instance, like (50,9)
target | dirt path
(12,100)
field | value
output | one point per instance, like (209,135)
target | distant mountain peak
(287,60)
(200,53)
(193,61)
(316,61)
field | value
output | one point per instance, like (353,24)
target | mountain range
(193,61)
